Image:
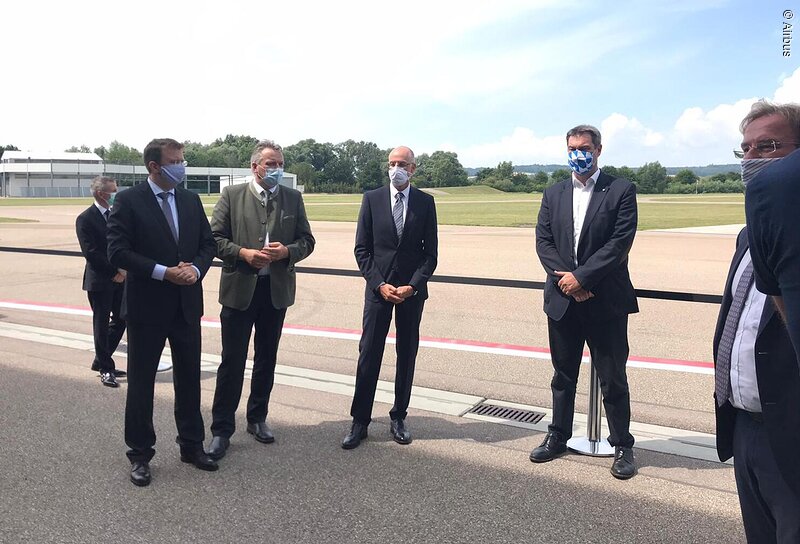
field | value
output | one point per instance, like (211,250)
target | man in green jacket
(261,231)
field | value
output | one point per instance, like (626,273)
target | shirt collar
(260,190)
(158,190)
(589,182)
(101,208)
(393,191)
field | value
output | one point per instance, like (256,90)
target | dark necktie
(106,214)
(722,378)
(168,213)
(397,213)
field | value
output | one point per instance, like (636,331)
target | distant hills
(701,171)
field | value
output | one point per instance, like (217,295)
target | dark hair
(585,129)
(153,150)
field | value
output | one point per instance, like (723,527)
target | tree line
(353,167)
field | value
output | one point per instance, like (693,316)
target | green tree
(685,177)
(560,175)
(652,178)
(119,153)
(7,148)
(100,151)
(306,175)
(629,174)
(446,170)
(540,181)
(76,149)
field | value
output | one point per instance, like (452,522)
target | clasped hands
(259,258)
(395,295)
(183,274)
(571,287)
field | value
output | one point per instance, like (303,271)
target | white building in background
(65,174)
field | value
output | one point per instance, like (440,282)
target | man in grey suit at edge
(261,232)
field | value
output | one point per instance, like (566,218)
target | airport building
(65,174)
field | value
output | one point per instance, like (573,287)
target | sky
(665,81)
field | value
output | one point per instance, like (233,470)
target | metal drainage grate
(504,412)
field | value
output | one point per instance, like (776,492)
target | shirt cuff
(159,271)
(197,270)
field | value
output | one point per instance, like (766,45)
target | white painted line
(672,365)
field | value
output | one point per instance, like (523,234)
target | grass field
(16,220)
(484,206)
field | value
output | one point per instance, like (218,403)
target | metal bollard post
(593,444)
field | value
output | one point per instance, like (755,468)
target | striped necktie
(164,196)
(722,376)
(397,213)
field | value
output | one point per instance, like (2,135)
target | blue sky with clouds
(664,80)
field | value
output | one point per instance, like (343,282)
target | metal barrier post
(593,444)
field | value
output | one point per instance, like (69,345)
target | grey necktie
(168,213)
(397,213)
(722,377)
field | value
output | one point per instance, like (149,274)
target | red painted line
(451,341)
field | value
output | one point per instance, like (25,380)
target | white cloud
(696,138)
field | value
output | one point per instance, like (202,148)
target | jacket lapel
(598,196)
(153,204)
(567,229)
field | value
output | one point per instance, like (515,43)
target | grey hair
(586,129)
(261,146)
(789,111)
(99,184)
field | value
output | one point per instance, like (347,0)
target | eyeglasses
(401,164)
(764,147)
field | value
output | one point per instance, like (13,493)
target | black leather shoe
(120,373)
(95,367)
(399,433)
(552,446)
(140,473)
(358,432)
(108,379)
(624,466)
(218,447)
(261,432)
(200,460)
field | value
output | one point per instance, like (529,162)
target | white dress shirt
(264,271)
(744,386)
(581,195)
(392,192)
(159,270)
(102,209)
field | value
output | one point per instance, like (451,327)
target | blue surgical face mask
(272,176)
(581,162)
(173,174)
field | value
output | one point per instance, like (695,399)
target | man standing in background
(102,282)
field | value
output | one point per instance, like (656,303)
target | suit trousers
(376,321)
(107,325)
(770,510)
(237,326)
(608,346)
(145,345)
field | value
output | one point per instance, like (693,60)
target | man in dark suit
(261,232)
(159,233)
(102,281)
(757,381)
(396,250)
(584,233)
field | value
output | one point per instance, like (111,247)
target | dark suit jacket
(382,257)
(239,220)
(139,238)
(605,241)
(91,228)
(778,382)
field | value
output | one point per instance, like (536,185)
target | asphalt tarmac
(460,481)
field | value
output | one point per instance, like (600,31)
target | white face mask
(398,176)
(751,167)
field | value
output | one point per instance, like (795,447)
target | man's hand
(404,292)
(257,258)
(183,274)
(568,284)
(389,293)
(276,251)
(119,277)
(582,295)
